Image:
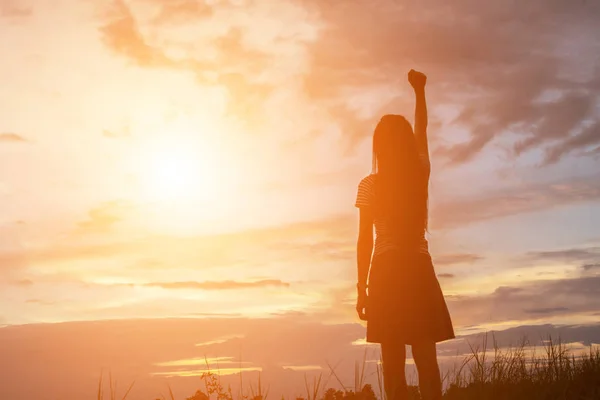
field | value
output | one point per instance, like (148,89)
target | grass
(113,389)
(512,374)
(486,373)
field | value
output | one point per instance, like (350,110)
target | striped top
(365,199)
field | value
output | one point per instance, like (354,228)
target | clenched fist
(417,79)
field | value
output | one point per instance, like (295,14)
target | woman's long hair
(401,185)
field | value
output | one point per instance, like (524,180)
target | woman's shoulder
(367,182)
(365,193)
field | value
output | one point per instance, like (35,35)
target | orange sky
(193,159)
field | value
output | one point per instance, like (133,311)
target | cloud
(14,9)
(587,137)
(581,254)
(177,11)
(446,276)
(329,240)
(40,302)
(589,267)
(259,248)
(222,285)
(136,346)
(459,258)
(505,291)
(65,252)
(531,300)
(547,310)
(215,315)
(514,200)
(125,132)
(533,337)
(357,75)
(227,51)
(7,137)
(104,217)
(491,75)
(122,35)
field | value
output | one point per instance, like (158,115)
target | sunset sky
(200,159)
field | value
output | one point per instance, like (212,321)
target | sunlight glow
(178,167)
(303,368)
(219,341)
(185,174)
(207,361)
(198,372)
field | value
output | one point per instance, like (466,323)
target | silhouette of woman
(403,304)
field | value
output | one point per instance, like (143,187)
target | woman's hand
(361,303)
(417,79)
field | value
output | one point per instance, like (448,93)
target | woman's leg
(430,383)
(393,355)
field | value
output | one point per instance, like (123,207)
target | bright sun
(186,174)
(178,168)
(175,173)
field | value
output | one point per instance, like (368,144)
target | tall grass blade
(100,394)
(336,376)
(128,390)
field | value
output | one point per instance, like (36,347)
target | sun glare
(186,176)
(178,165)
(175,173)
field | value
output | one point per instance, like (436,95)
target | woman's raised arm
(417,81)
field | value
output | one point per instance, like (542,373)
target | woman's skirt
(405,302)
